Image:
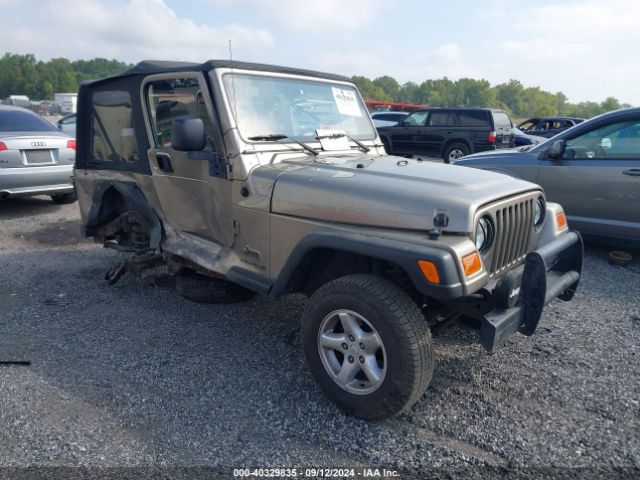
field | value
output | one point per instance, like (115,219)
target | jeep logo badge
(38,144)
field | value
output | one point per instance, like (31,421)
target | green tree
(98,68)
(389,85)
(60,74)
(409,92)
(23,75)
(437,93)
(469,92)
(610,104)
(19,75)
(510,95)
(369,90)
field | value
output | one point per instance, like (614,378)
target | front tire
(367,346)
(454,152)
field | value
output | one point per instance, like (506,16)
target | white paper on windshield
(346,102)
(333,139)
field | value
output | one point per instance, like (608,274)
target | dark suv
(449,132)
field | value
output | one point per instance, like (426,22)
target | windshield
(267,105)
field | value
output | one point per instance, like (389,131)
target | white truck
(18,101)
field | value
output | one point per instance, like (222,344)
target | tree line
(519,101)
(24,75)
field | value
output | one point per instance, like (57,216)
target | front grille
(513,230)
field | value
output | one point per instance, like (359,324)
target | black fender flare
(113,198)
(403,254)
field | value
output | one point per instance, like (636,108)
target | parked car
(47,107)
(548,126)
(387,118)
(35,158)
(522,139)
(449,133)
(67,124)
(286,189)
(593,169)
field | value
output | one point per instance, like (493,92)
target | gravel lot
(134,375)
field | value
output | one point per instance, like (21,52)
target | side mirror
(187,134)
(557,149)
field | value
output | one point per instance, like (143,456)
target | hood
(388,191)
(494,153)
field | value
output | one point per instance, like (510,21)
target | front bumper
(553,271)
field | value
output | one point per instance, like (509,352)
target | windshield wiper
(274,137)
(361,145)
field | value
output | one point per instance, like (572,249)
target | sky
(587,49)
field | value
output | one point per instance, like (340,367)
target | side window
(530,125)
(441,119)
(618,140)
(473,119)
(502,120)
(171,98)
(112,134)
(416,119)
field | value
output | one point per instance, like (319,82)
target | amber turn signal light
(430,271)
(561,220)
(471,264)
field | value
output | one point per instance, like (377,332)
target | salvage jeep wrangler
(240,178)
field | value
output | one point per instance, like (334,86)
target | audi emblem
(38,144)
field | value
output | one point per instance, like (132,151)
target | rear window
(23,121)
(473,119)
(112,133)
(502,120)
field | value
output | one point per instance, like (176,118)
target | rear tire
(455,151)
(203,289)
(64,198)
(388,360)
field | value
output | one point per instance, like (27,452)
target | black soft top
(149,67)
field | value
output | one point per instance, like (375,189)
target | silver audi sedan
(35,157)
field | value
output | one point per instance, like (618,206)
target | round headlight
(538,212)
(484,233)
